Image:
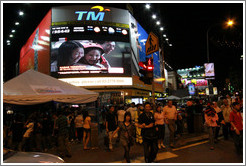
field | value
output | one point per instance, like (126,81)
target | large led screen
(89,50)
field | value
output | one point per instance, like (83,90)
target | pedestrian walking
(79,126)
(127,130)
(25,144)
(236,121)
(226,110)
(133,111)
(219,122)
(17,129)
(159,122)
(170,113)
(189,111)
(139,138)
(146,122)
(211,119)
(46,132)
(63,142)
(111,125)
(87,130)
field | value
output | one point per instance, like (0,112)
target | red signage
(35,54)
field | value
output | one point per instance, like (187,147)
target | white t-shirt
(121,114)
(78,121)
(133,111)
(170,113)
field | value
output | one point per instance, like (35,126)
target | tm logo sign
(91,15)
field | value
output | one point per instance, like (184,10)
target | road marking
(188,146)
(160,156)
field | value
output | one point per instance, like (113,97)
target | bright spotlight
(21,13)
(147,6)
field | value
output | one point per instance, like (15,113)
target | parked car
(11,156)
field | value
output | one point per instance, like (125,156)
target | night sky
(185,25)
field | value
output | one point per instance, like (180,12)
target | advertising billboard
(90,50)
(191,88)
(35,53)
(209,69)
(93,14)
(143,36)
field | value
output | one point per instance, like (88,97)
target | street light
(147,6)
(154,16)
(229,23)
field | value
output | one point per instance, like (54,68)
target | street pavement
(190,148)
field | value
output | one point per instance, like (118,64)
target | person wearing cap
(237,127)
(92,56)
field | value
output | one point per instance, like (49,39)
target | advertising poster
(209,69)
(191,88)
(143,36)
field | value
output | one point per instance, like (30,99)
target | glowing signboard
(91,15)
(99,81)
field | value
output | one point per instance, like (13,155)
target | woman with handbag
(127,130)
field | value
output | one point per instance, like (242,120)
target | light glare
(154,16)
(21,13)
(17,23)
(147,6)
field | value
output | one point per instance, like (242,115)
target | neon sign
(91,15)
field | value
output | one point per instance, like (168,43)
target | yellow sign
(152,44)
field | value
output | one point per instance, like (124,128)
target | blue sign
(191,88)
(143,36)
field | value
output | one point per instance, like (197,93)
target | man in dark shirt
(63,145)
(146,122)
(111,125)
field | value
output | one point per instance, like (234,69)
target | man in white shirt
(226,110)
(170,113)
(132,110)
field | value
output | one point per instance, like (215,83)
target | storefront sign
(99,81)
(92,15)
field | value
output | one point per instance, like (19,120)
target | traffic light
(146,71)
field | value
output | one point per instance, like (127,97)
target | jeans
(217,130)
(127,152)
(110,140)
(79,133)
(150,149)
(211,132)
(226,130)
(172,128)
(238,142)
(63,145)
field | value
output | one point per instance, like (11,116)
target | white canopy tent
(33,87)
(173,98)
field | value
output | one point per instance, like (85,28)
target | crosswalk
(164,155)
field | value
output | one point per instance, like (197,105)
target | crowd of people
(127,124)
